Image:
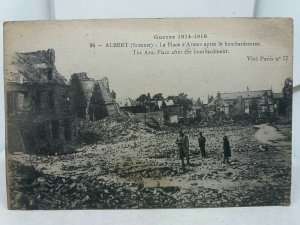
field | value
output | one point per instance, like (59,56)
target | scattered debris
(134,166)
(120,127)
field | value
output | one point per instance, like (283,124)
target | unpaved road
(150,164)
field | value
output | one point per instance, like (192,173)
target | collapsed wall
(92,98)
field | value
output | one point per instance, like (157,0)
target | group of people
(183,144)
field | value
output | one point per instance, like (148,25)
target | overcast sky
(130,76)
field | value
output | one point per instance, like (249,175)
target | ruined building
(92,98)
(260,103)
(40,118)
(246,102)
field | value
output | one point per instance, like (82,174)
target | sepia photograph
(148,113)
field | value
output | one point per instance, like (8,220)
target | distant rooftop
(128,102)
(245,94)
(277,95)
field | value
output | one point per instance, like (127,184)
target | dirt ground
(144,171)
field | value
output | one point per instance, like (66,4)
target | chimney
(247,89)
(50,55)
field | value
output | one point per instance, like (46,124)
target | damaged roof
(219,102)
(36,67)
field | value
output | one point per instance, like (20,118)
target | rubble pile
(20,178)
(208,197)
(113,129)
(42,191)
(145,172)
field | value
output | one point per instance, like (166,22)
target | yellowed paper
(148,113)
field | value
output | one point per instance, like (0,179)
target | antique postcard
(148,113)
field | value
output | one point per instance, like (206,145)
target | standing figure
(202,141)
(226,148)
(182,142)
